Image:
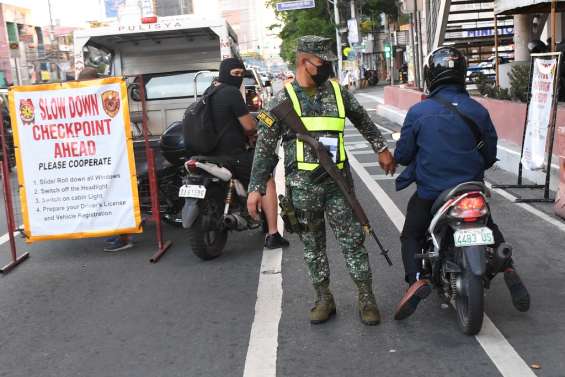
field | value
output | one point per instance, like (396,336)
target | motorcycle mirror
(396,136)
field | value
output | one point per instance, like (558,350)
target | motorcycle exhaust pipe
(234,222)
(501,257)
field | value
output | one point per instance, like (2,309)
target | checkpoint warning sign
(74,155)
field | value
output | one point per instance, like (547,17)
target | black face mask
(225,68)
(233,80)
(324,72)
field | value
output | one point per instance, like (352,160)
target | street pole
(553,25)
(497,70)
(417,43)
(358,74)
(51,40)
(413,49)
(338,41)
(387,33)
(391,51)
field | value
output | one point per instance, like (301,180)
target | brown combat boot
(325,305)
(368,310)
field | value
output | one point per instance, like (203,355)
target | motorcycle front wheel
(470,304)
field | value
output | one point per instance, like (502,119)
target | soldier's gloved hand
(386,161)
(254,204)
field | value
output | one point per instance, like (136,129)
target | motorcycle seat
(457,190)
(219,160)
(141,158)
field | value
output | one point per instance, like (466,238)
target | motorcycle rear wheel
(206,245)
(470,304)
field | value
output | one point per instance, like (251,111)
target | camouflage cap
(316,45)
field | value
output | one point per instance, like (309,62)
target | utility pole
(413,49)
(353,17)
(338,41)
(418,46)
(52,39)
(391,51)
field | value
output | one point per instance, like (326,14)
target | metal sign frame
(550,131)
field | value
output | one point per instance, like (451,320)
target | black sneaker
(518,291)
(275,241)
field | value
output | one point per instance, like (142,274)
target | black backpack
(200,133)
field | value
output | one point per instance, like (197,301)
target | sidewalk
(508,152)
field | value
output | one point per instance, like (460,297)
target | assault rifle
(284,112)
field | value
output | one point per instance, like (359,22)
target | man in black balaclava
(229,110)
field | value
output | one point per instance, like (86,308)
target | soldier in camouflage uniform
(323,106)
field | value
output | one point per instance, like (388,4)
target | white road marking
(6,237)
(534,211)
(378,99)
(516,153)
(383,177)
(502,354)
(361,152)
(261,359)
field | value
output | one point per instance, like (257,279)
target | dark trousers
(418,219)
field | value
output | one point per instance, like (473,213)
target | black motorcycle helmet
(444,65)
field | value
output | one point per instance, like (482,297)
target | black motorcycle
(214,204)
(199,194)
(10,141)
(169,155)
(458,258)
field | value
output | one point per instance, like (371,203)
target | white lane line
(501,353)
(360,152)
(261,359)
(6,237)
(380,195)
(516,153)
(370,164)
(375,98)
(382,177)
(381,101)
(534,211)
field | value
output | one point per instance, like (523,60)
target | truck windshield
(176,85)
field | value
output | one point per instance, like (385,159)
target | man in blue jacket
(439,150)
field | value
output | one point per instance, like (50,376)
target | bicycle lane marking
(499,350)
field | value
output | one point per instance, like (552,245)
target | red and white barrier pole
(162,246)
(8,204)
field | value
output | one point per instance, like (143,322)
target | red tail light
(470,208)
(190,165)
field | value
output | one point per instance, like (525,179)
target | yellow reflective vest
(320,124)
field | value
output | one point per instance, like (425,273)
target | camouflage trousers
(311,202)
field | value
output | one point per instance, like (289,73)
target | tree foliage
(375,7)
(297,23)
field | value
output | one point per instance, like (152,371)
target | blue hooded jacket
(438,147)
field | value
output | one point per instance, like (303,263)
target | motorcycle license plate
(473,237)
(192,191)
